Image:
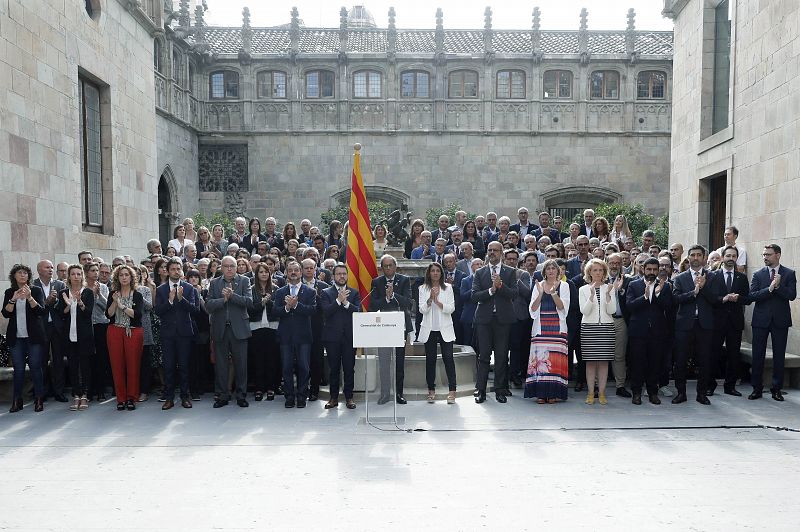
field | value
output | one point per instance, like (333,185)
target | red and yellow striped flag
(360,251)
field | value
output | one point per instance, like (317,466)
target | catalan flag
(360,251)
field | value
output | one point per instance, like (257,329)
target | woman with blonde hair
(125,335)
(621,233)
(188,224)
(598,302)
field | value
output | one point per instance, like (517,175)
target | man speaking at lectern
(391,292)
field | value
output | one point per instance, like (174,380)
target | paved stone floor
(518,466)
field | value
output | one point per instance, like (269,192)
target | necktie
(771,275)
(729,281)
(293,290)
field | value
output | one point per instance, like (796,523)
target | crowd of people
(252,313)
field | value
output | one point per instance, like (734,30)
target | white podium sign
(379,329)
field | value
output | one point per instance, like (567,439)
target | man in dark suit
(523,226)
(338,304)
(453,277)
(53,327)
(494,289)
(438,252)
(694,325)
(309,270)
(229,297)
(588,219)
(575,265)
(176,301)
(294,306)
(558,223)
(391,292)
(544,229)
(468,310)
(442,231)
(772,288)
(649,302)
(731,293)
(520,339)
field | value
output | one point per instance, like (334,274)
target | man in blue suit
(453,277)
(575,264)
(176,301)
(694,325)
(467,316)
(649,302)
(338,305)
(772,288)
(294,305)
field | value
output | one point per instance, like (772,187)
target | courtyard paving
(518,466)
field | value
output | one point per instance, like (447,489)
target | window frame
(604,89)
(225,86)
(91,220)
(368,73)
(271,74)
(320,72)
(463,73)
(651,74)
(511,72)
(415,86)
(558,72)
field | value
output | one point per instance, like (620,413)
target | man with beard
(772,288)
(731,293)
(309,268)
(665,272)
(649,303)
(694,325)
(295,304)
(338,305)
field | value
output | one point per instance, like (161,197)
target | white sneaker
(665,391)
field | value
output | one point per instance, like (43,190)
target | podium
(378,334)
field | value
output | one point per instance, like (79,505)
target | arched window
(177,68)
(510,84)
(462,84)
(415,84)
(604,85)
(557,84)
(367,84)
(319,84)
(157,55)
(651,85)
(223,84)
(271,84)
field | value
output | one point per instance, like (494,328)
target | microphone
(366,296)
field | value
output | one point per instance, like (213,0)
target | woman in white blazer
(598,302)
(436,304)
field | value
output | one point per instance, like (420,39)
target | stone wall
(177,162)
(44,44)
(293,176)
(759,150)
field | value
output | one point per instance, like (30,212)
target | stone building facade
(736,117)
(77,131)
(490,119)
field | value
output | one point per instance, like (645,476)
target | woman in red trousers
(125,337)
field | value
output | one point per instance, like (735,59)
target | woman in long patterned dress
(548,367)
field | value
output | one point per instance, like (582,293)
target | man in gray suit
(53,326)
(229,296)
(494,289)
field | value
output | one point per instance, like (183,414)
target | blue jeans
(23,348)
(299,356)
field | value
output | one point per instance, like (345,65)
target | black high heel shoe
(16,405)
(130,405)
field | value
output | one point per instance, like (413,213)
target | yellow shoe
(602,399)
(590,398)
